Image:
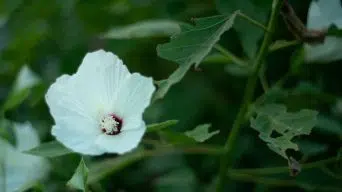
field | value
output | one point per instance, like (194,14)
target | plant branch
(284,169)
(226,160)
(280,182)
(252,21)
(231,56)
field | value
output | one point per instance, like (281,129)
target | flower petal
(123,142)
(77,141)
(69,109)
(103,73)
(134,96)
(323,12)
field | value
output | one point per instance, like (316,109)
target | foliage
(201,54)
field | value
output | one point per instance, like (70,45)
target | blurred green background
(52,37)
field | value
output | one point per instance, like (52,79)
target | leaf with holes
(191,46)
(201,133)
(274,119)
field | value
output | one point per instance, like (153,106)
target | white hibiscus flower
(99,108)
(322,14)
(20,169)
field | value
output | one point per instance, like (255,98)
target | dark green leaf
(101,169)
(176,138)
(190,47)
(248,33)
(201,133)
(79,179)
(329,125)
(274,119)
(50,149)
(159,126)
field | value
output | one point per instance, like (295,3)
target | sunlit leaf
(159,126)
(79,179)
(50,149)
(274,119)
(149,28)
(190,47)
(201,133)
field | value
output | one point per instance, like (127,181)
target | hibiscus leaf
(50,149)
(176,138)
(201,133)
(148,28)
(101,169)
(79,179)
(191,46)
(159,126)
(249,34)
(274,119)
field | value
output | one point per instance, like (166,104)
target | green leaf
(15,99)
(274,119)
(50,149)
(24,82)
(328,125)
(79,179)
(248,33)
(150,28)
(311,148)
(191,46)
(176,138)
(201,133)
(101,169)
(159,126)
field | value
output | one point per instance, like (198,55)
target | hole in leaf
(275,134)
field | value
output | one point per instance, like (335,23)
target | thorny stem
(226,160)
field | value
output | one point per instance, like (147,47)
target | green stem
(252,21)
(249,92)
(281,182)
(230,56)
(284,169)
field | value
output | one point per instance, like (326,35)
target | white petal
(103,73)
(134,96)
(123,142)
(26,136)
(22,169)
(70,109)
(77,141)
(323,12)
(331,50)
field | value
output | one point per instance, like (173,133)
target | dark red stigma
(116,132)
